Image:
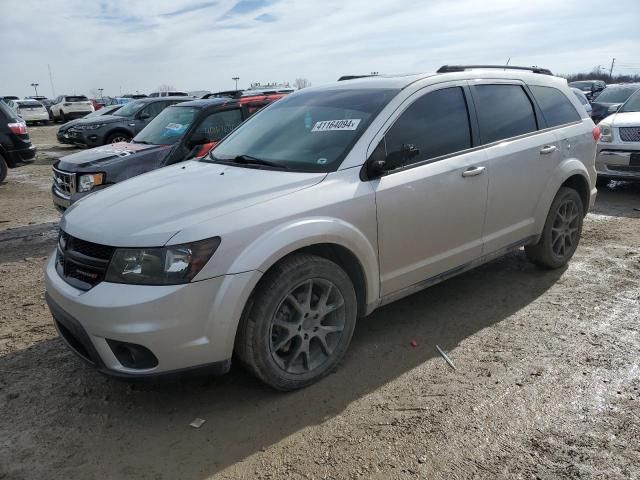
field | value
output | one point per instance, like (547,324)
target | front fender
(565,169)
(284,239)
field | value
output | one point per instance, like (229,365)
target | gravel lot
(547,379)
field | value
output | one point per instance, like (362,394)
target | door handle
(473,171)
(547,149)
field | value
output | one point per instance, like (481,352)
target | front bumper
(184,326)
(618,164)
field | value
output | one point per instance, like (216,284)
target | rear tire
(3,169)
(298,324)
(561,233)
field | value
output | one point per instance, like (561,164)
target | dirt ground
(547,381)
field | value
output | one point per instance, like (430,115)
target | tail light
(596,134)
(18,128)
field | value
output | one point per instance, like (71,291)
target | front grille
(80,263)
(64,182)
(630,134)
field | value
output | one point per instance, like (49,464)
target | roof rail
(462,68)
(353,77)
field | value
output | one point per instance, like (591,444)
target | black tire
(261,342)
(63,119)
(602,182)
(561,233)
(3,169)
(118,137)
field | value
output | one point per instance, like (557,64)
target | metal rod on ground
(446,358)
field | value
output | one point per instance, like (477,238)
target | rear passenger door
(431,200)
(521,157)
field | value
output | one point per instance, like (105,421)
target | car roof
(219,101)
(160,99)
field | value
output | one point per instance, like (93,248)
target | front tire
(63,119)
(561,233)
(3,169)
(117,138)
(299,322)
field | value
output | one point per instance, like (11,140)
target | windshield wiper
(140,141)
(249,160)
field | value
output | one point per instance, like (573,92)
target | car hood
(101,157)
(66,126)
(150,209)
(624,119)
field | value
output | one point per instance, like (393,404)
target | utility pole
(236,79)
(53,90)
(100,90)
(35,87)
(613,62)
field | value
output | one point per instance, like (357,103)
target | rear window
(6,113)
(77,98)
(30,104)
(504,111)
(556,107)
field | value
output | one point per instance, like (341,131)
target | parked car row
(603,99)
(312,213)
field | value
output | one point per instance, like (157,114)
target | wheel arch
(570,173)
(118,130)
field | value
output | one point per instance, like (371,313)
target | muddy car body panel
(334,175)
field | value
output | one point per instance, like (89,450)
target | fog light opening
(131,355)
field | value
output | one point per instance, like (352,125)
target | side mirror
(144,116)
(377,162)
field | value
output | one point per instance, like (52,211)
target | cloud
(124,45)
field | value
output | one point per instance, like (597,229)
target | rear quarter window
(556,107)
(504,111)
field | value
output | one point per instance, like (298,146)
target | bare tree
(301,83)
(166,88)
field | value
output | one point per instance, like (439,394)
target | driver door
(431,197)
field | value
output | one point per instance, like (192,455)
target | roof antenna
(506,64)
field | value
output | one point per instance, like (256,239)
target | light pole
(35,87)
(236,79)
(100,90)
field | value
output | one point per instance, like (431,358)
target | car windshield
(77,98)
(130,109)
(310,131)
(168,127)
(616,94)
(633,104)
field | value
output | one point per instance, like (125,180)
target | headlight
(95,126)
(88,181)
(606,133)
(171,265)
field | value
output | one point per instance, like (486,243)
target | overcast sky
(128,45)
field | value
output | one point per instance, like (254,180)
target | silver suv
(316,211)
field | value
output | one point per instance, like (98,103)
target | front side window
(434,125)
(217,125)
(556,107)
(311,130)
(154,109)
(168,127)
(504,111)
(130,109)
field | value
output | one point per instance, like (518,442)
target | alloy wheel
(564,232)
(307,326)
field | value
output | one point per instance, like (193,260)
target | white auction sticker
(327,125)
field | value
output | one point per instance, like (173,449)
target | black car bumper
(89,138)
(21,156)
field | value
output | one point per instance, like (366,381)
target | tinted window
(580,96)
(556,107)
(168,127)
(436,124)
(76,98)
(616,94)
(29,104)
(310,130)
(633,104)
(155,108)
(504,111)
(6,112)
(130,109)
(218,124)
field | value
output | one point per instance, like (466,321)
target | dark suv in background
(591,88)
(123,125)
(181,132)
(611,99)
(15,145)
